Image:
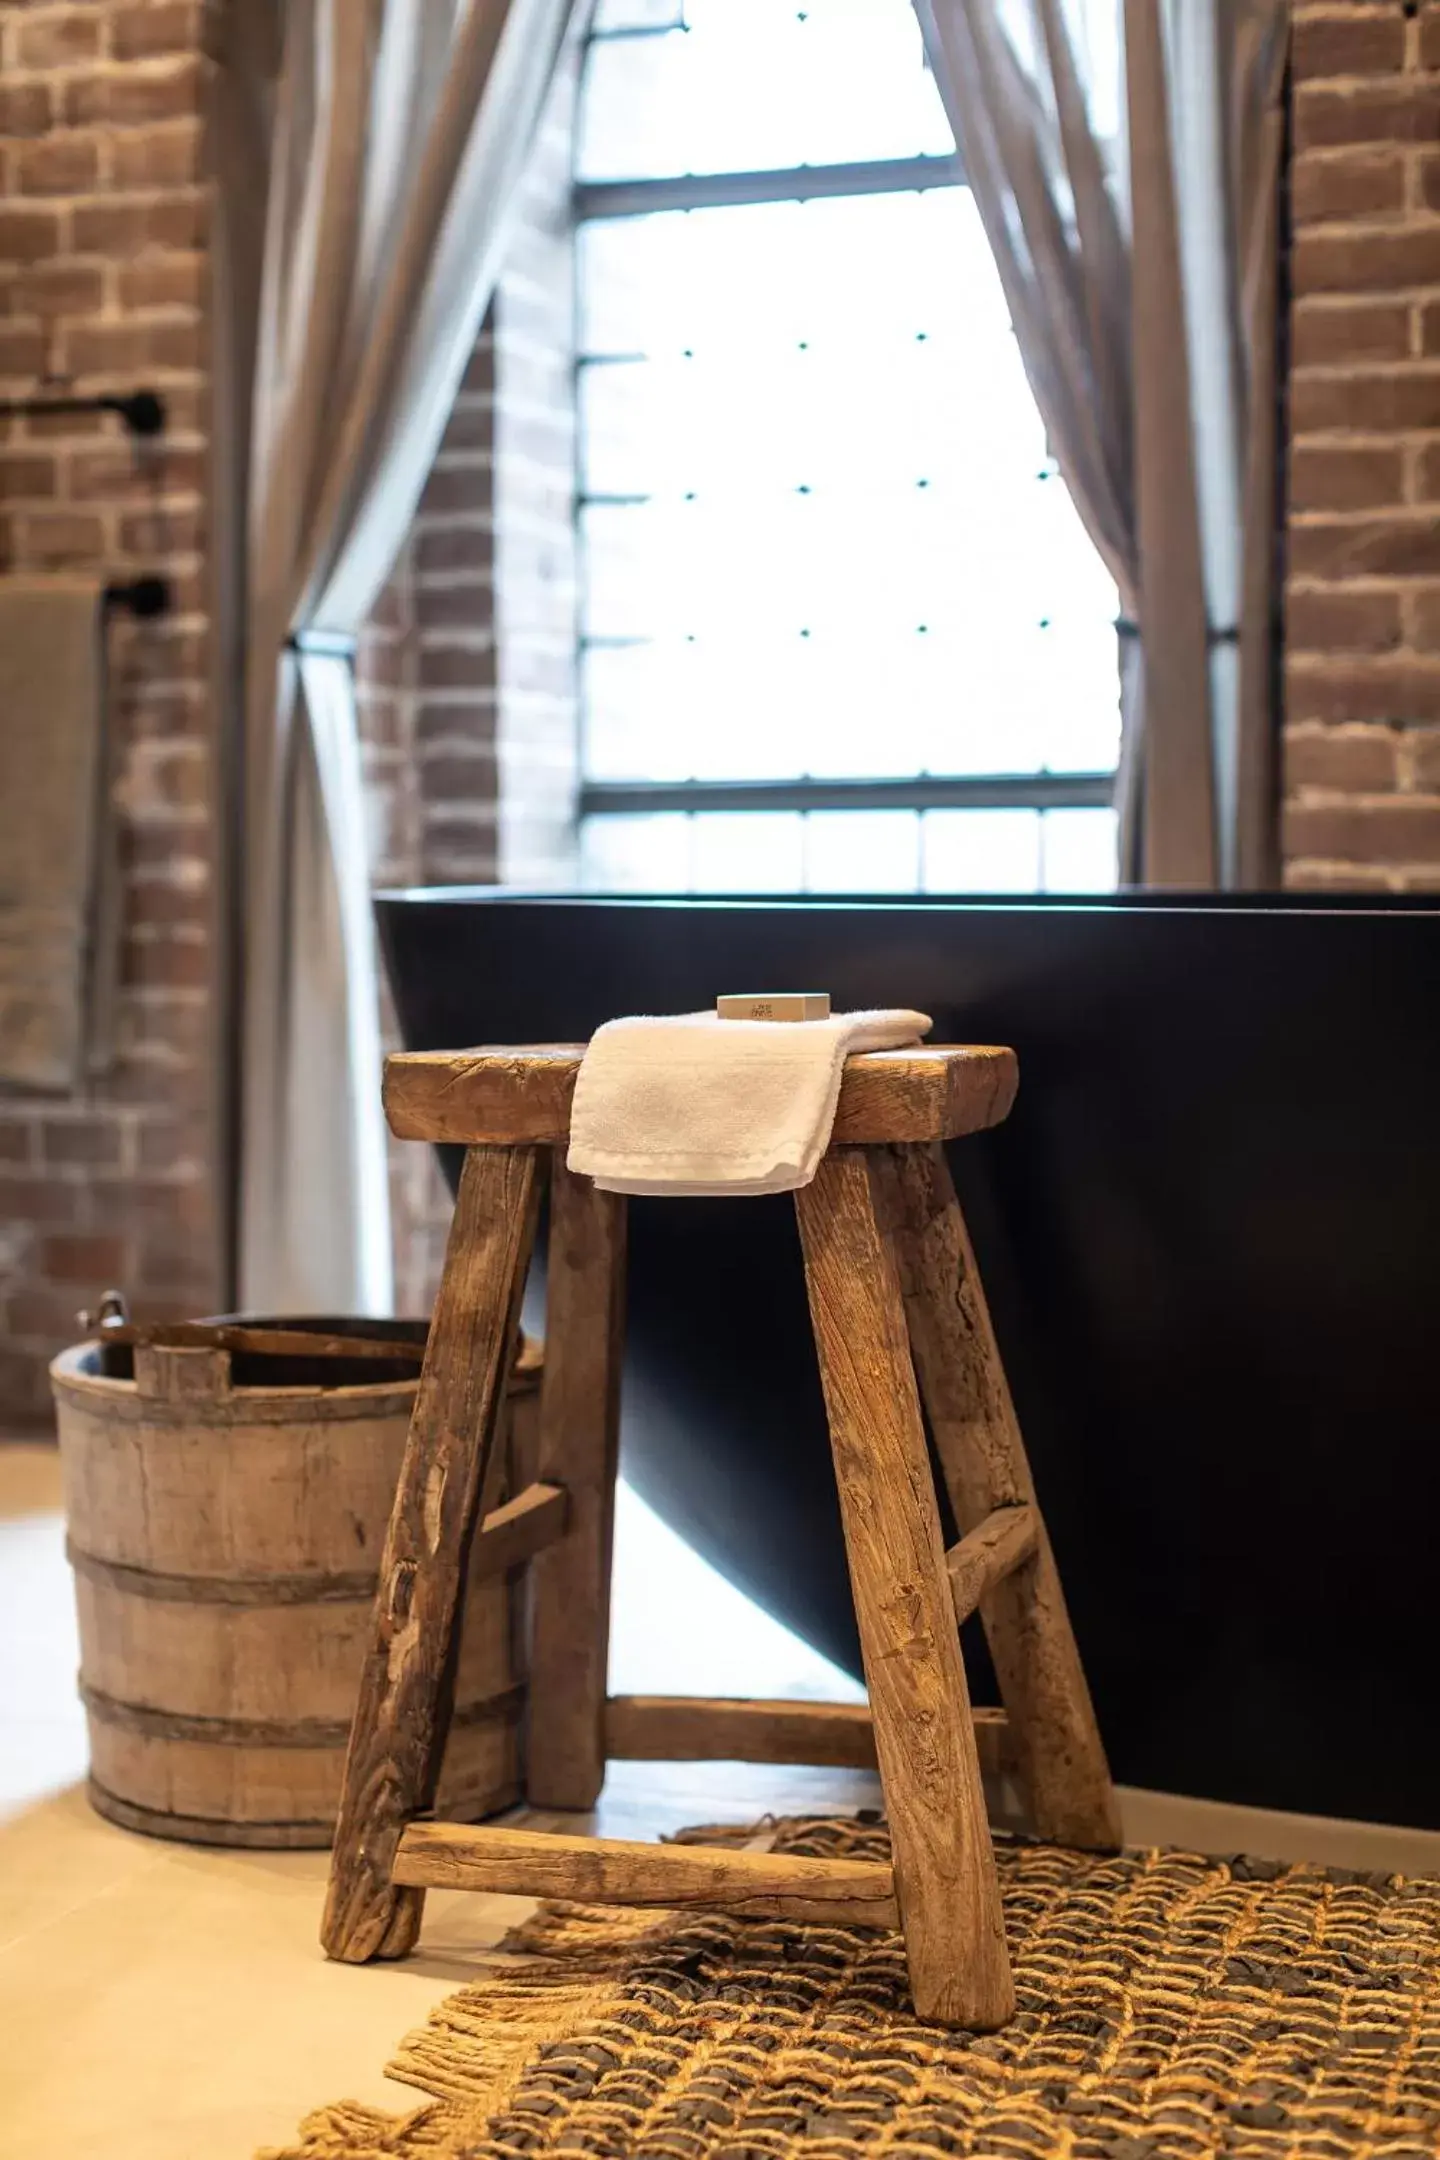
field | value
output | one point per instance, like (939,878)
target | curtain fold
(240,121)
(1254,76)
(1056,230)
(1135,230)
(399,137)
(1171,825)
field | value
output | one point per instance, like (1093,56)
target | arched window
(842,629)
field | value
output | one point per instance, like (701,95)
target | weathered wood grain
(578,1450)
(944,1864)
(518,1529)
(1058,1746)
(181,1374)
(698,1728)
(523,1096)
(292,1733)
(606,1871)
(256,1341)
(448,1480)
(226,1549)
(694,1728)
(991,1551)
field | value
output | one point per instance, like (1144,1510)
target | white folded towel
(700,1105)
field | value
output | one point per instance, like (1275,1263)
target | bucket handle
(164,1372)
(181,1375)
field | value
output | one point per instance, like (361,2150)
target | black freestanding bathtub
(1209,1231)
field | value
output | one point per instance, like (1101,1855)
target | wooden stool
(890,1273)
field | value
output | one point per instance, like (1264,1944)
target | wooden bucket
(225,1521)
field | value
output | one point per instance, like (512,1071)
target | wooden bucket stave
(225,1541)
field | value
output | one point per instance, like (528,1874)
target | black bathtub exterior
(1209,1231)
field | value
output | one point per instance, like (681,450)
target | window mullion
(796,183)
(959,791)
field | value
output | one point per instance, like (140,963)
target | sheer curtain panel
(1125,157)
(398,133)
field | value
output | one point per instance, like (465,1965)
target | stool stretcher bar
(520,1528)
(609,1871)
(1008,1537)
(701,1728)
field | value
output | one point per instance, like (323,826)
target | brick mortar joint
(1409,367)
(1396,513)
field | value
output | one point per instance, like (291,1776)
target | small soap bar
(776,1005)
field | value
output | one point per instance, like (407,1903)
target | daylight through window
(842,628)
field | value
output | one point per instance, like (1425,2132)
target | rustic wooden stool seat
(894,1295)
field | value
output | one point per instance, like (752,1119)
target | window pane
(842,572)
(747,698)
(981,851)
(757,84)
(715,709)
(635,854)
(637,720)
(704,282)
(618,450)
(860,851)
(744,851)
(850,851)
(1078,851)
(613,15)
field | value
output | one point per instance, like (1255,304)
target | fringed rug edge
(476,2043)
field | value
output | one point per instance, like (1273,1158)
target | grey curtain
(398,135)
(1246,159)
(247,43)
(1135,234)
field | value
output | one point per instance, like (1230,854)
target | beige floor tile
(42,1727)
(175,2005)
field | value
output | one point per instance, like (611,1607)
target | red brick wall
(1362,738)
(102,287)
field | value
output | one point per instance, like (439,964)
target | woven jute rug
(1169,2004)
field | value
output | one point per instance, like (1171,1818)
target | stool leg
(977,1437)
(579,1447)
(945,1881)
(448,1478)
